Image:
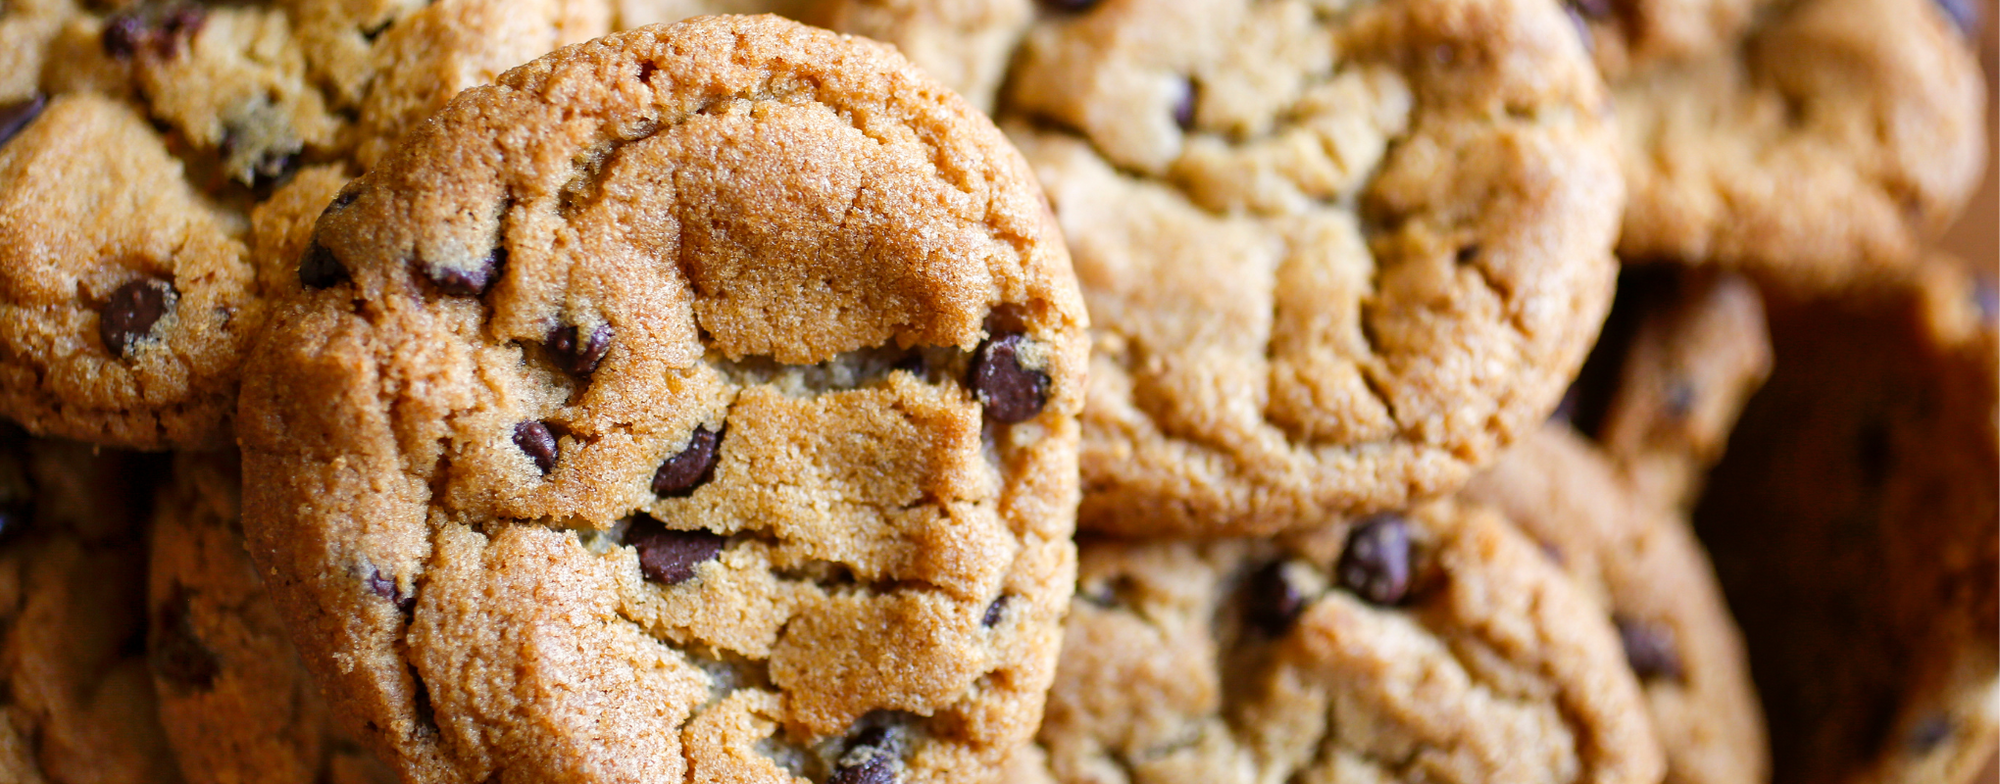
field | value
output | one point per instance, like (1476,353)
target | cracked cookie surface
(134,143)
(1437,645)
(76,703)
(1337,254)
(699,401)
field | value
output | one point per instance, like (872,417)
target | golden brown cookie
(1855,525)
(699,401)
(1434,646)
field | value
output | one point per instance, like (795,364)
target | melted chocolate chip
(16,116)
(1270,602)
(1011,392)
(994,611)
(470,282)
(1649,649)
(178,654)
(693,467)
(669,556)
(538,443)
(129,315)
(318,269)
(15,517)
(385,587)
(577,353)
(1184,108)
(1376,562)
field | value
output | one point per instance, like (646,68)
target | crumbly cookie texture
(235,698)
(1855,525)
(135,145)
(966,44)
(1638,558)
(1336,256)
(1819,151)
(699,401)
(1437,645)
(76,703)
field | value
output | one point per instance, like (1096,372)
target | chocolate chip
(667,555)
(1010,391)
(576,354)
(15,518)
(1376,562)
(1184,108)
(693,467)
(385,587)
(914,364)
(994,611)
(123,34)
(470,282)
(1467,254)
(1649,649)
(869,760)
(538,443)
(1963,13)
(318,269)
(1271,602)
(129,315)
(178,654)
(1070,6)
(155,33)
(15,116)
(345,197)
(1929,734)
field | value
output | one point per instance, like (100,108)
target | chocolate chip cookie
(235,698)
(1639,559)
(135,149)
(1820,149)
(696,401)
(1436,645)
(1855,525)
(76,704)
(1336,257)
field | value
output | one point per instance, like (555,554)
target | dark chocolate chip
(1963,13)
(914,364)
(385,587)
(130,314)
(1649,649)
(318,269)
(178,654)
(15,518)
(15,116)
(574,352)
(470,282)
(693,467)
(1929,734)
(1271,602)
(122,36)
(1010,391)
(1184,108)
(1467,254)
(538,443)
(155,33)
(1070,6)
(869,759)
(1376,562)
(994,611)
(669,556)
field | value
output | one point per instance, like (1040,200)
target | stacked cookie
(734,401)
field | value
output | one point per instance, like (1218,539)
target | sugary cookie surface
(699,401)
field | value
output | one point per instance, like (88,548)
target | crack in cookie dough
(802,510)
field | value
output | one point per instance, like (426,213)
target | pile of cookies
(1027,391)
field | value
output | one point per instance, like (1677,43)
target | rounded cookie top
(75,700)
(1437,645)
(235,698)
(1820,150)
(699,400)
(1639,559)
(1335,256)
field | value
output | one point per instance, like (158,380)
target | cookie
(1639,560)
(1819,150)
(76,704)
(235,698)
(1437,645)
(1336,258)
(966,44)
(131,160)
(696,401)
(1679,357)
(1854,525)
